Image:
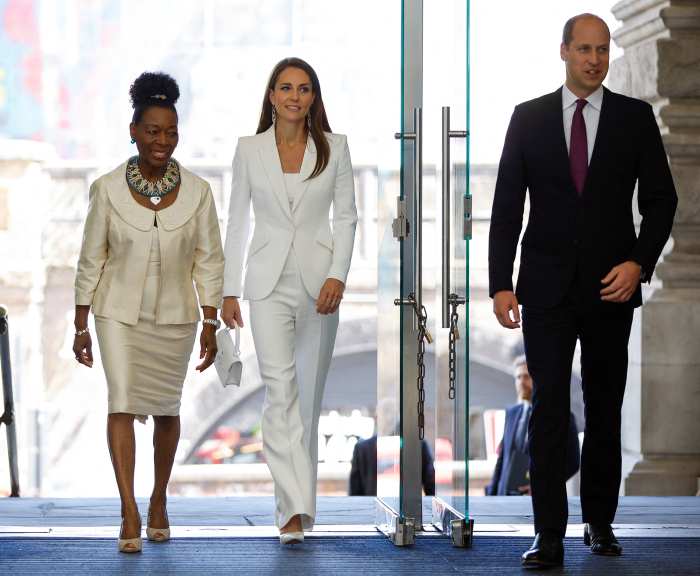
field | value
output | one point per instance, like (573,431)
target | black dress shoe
(601,539)
(547,550)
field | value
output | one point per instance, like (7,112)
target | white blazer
(321,253)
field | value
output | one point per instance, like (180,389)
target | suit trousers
(294,346)
(550,336)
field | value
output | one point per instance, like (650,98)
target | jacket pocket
(324,238)
(259,241)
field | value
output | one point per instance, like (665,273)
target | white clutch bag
(227,361)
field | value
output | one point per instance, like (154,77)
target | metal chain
(455,301)
(454,336)
(423,335)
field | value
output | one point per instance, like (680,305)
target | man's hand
(330,296)
(505,303)
(621,282)
(231,312)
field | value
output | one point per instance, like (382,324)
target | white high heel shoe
(130,545)
(291,538)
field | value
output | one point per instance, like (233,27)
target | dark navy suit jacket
(509,457)
(363,473)
(571,238)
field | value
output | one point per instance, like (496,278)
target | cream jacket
(117,242)
(321,252)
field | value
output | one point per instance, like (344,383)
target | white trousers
(294,346)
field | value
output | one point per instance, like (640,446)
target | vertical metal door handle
(418,206)
(416,225)
(447,134)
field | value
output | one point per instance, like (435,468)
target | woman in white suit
(293,171)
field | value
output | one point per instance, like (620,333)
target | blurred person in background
(293,172)
(511,476)
(363,470)
(151,234)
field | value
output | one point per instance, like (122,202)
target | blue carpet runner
(365,556)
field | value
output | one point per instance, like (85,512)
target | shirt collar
(568,98)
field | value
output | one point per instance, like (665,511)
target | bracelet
(213,321)
(85,330)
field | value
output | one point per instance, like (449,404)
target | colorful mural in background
(21,66)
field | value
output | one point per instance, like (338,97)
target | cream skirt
(145,365)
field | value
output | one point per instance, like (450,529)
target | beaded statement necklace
(154,191)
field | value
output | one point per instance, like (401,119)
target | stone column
(661,417)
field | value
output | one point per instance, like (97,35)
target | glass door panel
(423,383)
(399,505)
(446,36)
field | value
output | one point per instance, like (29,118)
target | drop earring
(133,140)
(308,121)
(274,115)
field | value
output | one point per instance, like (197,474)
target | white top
(292,184)
(591,115)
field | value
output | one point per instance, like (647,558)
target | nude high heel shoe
(130,545)
(157,534)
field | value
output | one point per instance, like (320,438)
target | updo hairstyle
(153,89)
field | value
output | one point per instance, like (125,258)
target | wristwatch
(213,321)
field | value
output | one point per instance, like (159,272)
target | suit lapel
(562,153)
(514,424)
(273,168)
(307,166)
(601,146)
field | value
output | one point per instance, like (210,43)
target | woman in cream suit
(293,171)
(151,232)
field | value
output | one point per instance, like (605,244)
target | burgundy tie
(578,148)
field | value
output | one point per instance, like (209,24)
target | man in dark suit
(511,475)
(579,152)
(363,471)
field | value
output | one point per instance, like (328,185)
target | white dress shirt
(591,115)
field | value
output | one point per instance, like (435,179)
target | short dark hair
(519,361)
(153,89)
(568,32)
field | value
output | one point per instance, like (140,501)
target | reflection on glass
(447,87)
(388,348)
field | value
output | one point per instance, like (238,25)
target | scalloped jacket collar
(170,218)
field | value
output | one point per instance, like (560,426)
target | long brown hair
(319,120)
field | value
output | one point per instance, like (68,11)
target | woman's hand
(231,312)
(330,296)
(82,349)
(207,346)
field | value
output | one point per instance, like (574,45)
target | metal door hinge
(400,226)
(462,532)
(467,217)
(404,532)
